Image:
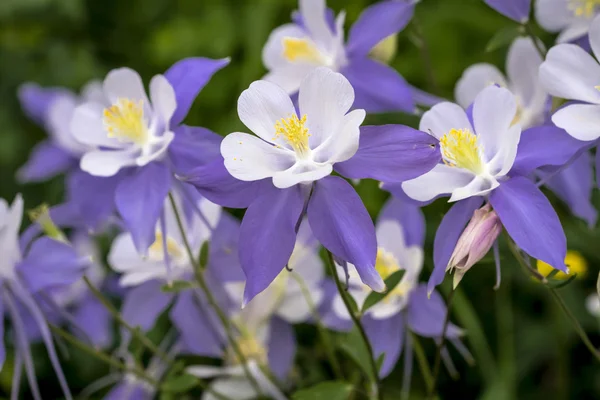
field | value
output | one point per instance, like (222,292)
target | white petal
(493,113)
(305,262)
(504,159)
(123,256)
(125,83)
(138,277)
(522,67)
(301,172)
(106,162)
(574,32)
(390,237)
(477,187)
(582,121)
(385,310)
(325,97)
(248,158)
(295,309)
(94,92)
(571,73)
(344,141)
(442,179)
(261,106)
(289,77)
(159,148)
(314,17)
(553,15)
(87,126)
(204,371)
(338,306)
(163,98)
(60,113)
(594,36)
(231,388)
(272,54)
(443,117)
(476,78)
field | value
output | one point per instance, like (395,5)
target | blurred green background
(523,345)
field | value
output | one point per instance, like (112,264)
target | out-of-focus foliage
(67,42)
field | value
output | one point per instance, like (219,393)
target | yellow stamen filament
(583,8)
(294,132)
(295,49)
(124,121)
(157,249)
(250,348)
(460,149)
(386,265)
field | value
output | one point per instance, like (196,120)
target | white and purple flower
(572,18)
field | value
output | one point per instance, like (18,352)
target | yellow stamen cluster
(294,132)
(124,121)
(295,49)
(386,264)
(583,8)
(157,249)
(250,348)
(461,149)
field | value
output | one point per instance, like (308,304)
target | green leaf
(552,274)
(353,345)
(557,284)
(204,251)
(325,391)
(177,286)
(179,384)
(380,360)
(504,37)
(391,282)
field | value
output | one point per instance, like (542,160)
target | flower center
(295,49)
(386,265)
(295,133)
(156,252)
(460,149)
(583,8)
(125,122)
(250,348)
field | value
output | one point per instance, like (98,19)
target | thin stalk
(101,355)
(576,325)
(117,316)
(535,40)
(198,273)
(440,346)
(337,370)
(357,324)
(422,361)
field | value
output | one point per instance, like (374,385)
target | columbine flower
(293,50)
(522,65)
(475,241)
(28,270)
(572,18)
(489,160)
(135,135)
(297,152)
(517,10)
(406,308)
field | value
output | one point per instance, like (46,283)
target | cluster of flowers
(131,164)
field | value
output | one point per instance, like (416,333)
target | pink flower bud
(474,243)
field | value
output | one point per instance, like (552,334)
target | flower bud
(474,243)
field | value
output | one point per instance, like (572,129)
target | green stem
(356,321)
(101,355)
(337,370)
(438,353)
(198,272)
(134,331)
(422,361)
(576,325)
(506,343)
(535,40)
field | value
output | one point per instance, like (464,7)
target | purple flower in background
(406,308)
(297,152)
(43,264)
(572,18)
(517,10)
(132,135)
(485,157)
(574,183)
(315,40)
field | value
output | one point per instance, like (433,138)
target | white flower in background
(522,66)
(392,255)
(572,18)
(292,148)
(131,130)
(292,52)
(124,258)
(592,304)
(569,72)
(474,159)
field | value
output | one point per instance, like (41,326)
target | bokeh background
(523,345)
